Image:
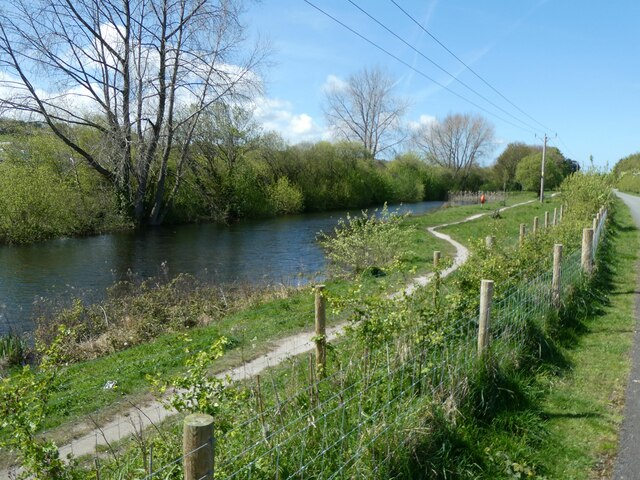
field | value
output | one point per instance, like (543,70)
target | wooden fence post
(197,447)
(555,282)
(535,225)
(436,277)
(321,331)
(555,217)
(490,241)
(546,219)
(523,231)
(561,212)
(587,250)
(486,294)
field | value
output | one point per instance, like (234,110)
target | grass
(506,227)
(583,407)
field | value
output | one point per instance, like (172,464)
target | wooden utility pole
(544,155)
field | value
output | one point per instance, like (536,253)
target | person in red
(482,199)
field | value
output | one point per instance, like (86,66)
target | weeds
(14,350)
(135,313)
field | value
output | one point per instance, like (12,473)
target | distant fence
(470,198)
(295,422)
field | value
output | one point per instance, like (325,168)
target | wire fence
(355,418)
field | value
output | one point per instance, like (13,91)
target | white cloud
(423,121)
(302,124)
(279,115)
(334,83)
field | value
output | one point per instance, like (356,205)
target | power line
(467,66)
(419,72)
(440,67)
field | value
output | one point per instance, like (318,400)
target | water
(282,250)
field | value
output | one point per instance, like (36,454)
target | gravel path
(627,465)
(90,438)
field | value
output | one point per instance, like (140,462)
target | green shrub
(284,197)
(364,241)
(584,194)
(629,182)
(45,193)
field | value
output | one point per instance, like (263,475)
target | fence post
(436,277)
(535,225)
(523,231)
(489,241)
(561,212)
(587,250)
(197,447)
(555,282)
(321,331)
(486,294)
(546,219)
(555,217)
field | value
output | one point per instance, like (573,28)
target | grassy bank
(565,407)
(582,407)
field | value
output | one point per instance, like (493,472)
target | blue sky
(573,66)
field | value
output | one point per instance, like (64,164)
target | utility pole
(544,154)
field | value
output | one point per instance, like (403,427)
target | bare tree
(365,110)
(457,143)
(124,82)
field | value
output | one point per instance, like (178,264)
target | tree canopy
(457,143)
(529,170)
(507,163)
(124,83)
(365,110)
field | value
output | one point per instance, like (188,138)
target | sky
(569,69)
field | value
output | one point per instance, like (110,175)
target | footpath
(89,439)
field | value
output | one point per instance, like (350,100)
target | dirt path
(91,438)
(627,465)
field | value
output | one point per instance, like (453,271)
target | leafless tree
(457,143)
(365,110)
(124,82)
